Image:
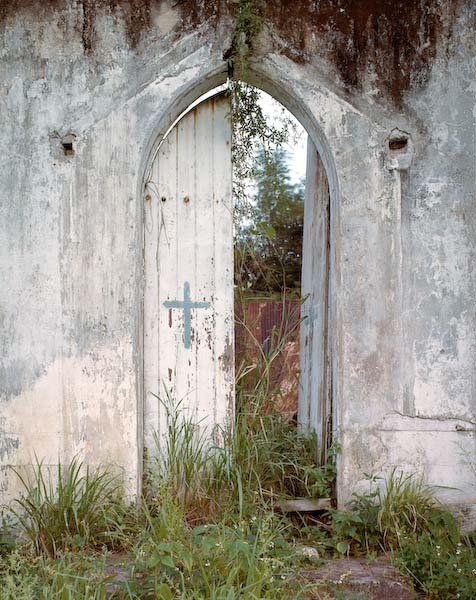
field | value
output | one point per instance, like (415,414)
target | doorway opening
(281,249)
(237,266)
(269,162)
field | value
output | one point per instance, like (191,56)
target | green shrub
(438,567)
(379,519)
(249,559)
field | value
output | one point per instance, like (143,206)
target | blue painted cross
(186,305)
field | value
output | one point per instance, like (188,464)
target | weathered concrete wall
(116,74)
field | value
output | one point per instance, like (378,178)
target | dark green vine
(247,28)
(252,131)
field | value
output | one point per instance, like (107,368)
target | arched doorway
(315,405)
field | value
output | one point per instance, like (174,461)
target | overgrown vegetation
(205,528)
(208,527)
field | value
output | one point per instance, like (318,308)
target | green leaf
(154,560)
(168,561)
(201,529)
(270,232)
(241,547)
(163,592)
(187,559)
(342,547)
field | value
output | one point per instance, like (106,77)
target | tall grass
(185,467)
(249,464)
(271,457)
(257,366)
(407,505)
(385,517)
(75,508)
(275,460)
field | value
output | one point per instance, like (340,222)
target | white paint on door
(188,303)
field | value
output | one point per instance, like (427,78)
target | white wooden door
(188,304)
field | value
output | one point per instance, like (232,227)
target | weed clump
(77,507)
(438,566)
(246,467)
(207,526)
(403,519)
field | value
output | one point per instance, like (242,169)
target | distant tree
(269,246)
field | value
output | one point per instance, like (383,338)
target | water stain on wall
(396,41)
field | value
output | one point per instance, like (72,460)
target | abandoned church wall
(402,234)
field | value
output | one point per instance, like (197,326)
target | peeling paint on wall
(8,442)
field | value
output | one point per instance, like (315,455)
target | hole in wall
(399,150)
(67,143)
(67,148)
(397,144)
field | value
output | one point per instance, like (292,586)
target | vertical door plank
(206,247)
(160,241)
(314,405)
(165,279)
(224,366)
(185,270)
(151,310)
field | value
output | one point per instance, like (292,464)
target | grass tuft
(407,506)
(77,508)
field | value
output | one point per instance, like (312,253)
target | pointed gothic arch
(317,407)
